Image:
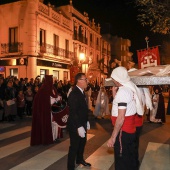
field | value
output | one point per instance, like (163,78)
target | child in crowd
(20,103)
(29,96)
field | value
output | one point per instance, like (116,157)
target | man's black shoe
(84,163)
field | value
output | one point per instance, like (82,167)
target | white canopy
(156,75)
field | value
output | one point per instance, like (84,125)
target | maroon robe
(41,133)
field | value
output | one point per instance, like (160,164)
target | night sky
(117,17)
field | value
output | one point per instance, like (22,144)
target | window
(65,75)
(75,32)
(55,75)
(91,37)
(80,31)
(56,44)
(42,41)
(108,47)
(97,41)
(91,40)
(75,50)
(97,58)
(56,40)
(13,39)
(67,48)
(14,72)
(42,74)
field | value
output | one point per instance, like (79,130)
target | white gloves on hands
(88,125)
(81,132)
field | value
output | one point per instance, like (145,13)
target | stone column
(32,67)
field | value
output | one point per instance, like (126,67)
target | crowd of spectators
(17,95)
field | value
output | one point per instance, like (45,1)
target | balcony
(91,44)
(108,53)
(7,48)
(104,51)
(50,49)
(80,38)
(97,47)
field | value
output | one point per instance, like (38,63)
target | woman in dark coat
(10,106)
(41,122)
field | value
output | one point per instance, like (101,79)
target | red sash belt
(138,120)
(128,124)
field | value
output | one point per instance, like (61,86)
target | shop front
(31,67)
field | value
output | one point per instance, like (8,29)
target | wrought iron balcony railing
(80,38)
(11,47)
(97,47)
(50,49)
(104,51)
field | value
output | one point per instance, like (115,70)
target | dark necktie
(84,96)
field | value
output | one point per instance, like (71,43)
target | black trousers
(125,159)
(20,111)
(138,132)
(29,107)
(76,149)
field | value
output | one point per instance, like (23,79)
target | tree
(155,14)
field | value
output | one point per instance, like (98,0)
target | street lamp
(82,63)
(81,57)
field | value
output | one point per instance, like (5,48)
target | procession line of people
(54,109)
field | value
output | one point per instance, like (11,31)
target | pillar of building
(32,26)
(31,67)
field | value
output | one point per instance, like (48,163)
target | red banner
(73,71)
(148,57)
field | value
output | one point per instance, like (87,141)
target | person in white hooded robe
(102,104)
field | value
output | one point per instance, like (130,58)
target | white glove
(81,132)
(88,125)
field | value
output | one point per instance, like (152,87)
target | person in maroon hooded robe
(41,133)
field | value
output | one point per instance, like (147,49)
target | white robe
(53,123)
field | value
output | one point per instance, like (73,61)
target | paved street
(16,153)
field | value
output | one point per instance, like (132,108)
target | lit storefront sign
(13,62)
(51,64)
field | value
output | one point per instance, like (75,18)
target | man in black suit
(78,123)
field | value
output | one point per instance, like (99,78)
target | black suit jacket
(78,110)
